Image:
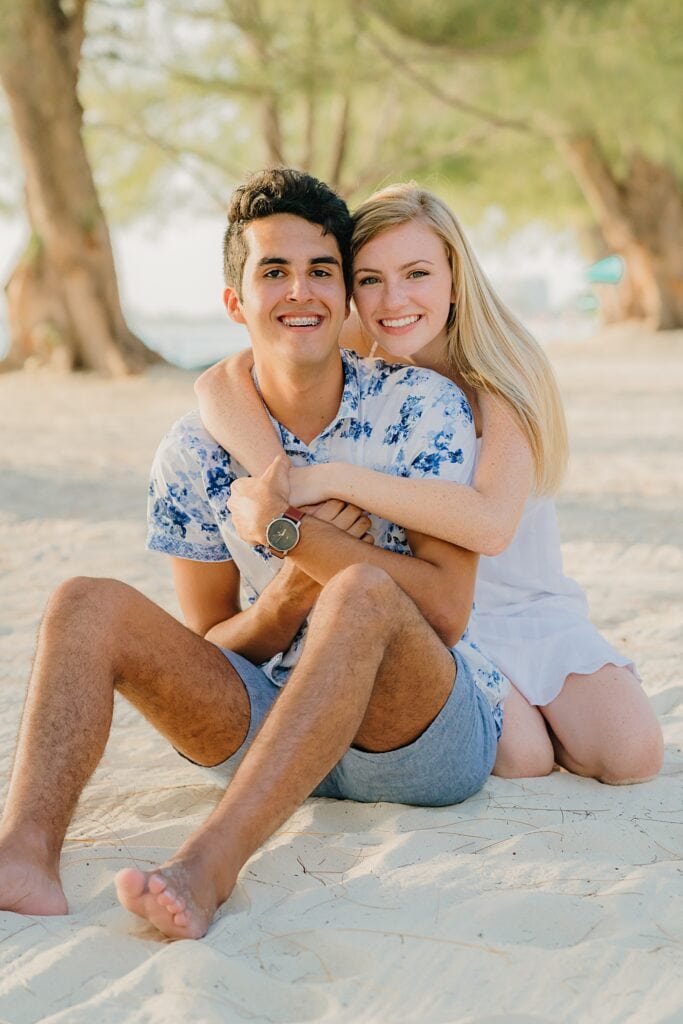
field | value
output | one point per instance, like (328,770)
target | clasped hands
(256,500)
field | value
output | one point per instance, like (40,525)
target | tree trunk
(641,219)
(63,302)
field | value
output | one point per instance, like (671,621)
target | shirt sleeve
(441,442)
(180,518)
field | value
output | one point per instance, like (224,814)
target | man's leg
(373,673)
(98,636)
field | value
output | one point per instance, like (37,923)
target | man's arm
(439,578)
(208,593)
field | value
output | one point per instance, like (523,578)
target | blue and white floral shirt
(396,419)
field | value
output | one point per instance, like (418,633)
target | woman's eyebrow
(404,266)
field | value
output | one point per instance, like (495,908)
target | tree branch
(438,93)
(341,142)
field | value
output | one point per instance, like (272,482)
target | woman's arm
(233,413)
(481,518)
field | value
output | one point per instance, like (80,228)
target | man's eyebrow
(280,261)
(269,261)
(404,266)
(331,260)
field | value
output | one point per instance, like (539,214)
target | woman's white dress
(532,620)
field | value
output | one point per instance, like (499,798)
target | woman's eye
(418,273)
(368,280)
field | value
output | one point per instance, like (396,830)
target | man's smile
(302,320)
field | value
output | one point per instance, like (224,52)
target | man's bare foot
(28,887)
(180,898)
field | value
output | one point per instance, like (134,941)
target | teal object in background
(607,271)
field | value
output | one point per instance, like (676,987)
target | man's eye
(319,272)
(275,272)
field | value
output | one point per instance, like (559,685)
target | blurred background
(552,127)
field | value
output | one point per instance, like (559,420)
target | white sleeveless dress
(530,619)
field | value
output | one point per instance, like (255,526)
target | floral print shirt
(396,419)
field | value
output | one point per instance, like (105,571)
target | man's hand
(345,517)
(255,500)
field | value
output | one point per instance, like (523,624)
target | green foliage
(183,97)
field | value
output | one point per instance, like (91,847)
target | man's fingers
(347,516)
(359,527)
(328,510)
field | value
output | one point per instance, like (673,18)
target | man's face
(293,296)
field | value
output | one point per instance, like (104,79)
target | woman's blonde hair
(486,344)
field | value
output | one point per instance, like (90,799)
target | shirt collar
(348,407)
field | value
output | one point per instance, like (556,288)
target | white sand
(551,900)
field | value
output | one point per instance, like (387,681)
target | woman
(421,295)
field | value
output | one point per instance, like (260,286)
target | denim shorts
(449,762)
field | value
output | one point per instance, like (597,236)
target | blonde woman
(421,297)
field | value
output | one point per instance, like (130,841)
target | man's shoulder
(189,438)
(396,381)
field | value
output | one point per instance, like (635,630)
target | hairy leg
(373,673)
(525,749)
(604,727)
(98,636)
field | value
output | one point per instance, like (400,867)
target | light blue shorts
(449,762)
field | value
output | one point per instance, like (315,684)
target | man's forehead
(285,236)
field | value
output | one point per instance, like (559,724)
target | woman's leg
(604,727)
(525,749)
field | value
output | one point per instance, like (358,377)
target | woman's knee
(525,749)
(528,761)
(637,759)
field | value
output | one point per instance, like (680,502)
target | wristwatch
(283,532)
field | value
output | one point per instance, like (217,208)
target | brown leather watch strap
(294,513)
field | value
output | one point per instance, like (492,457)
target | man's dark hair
(283,190)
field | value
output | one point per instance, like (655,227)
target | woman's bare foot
(27,886)
(180,898)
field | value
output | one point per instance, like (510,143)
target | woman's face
(403,287)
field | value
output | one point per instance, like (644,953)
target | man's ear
(232,303)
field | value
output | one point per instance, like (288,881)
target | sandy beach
(535,902)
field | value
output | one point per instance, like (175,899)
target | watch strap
(294,513)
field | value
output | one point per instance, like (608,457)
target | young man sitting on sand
(378,703)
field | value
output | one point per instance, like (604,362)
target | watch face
(282,534)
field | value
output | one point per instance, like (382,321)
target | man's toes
(171,901)
(157,884)
(130,883)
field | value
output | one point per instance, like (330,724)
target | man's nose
(299,288)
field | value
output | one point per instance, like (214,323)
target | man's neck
(303,399)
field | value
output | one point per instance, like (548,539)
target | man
(376,706)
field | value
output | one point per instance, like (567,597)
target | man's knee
(362,587)
(87,599)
